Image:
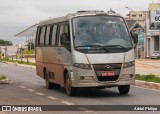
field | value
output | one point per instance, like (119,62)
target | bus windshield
(105,33)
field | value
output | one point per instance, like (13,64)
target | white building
(152,42)
(29,33)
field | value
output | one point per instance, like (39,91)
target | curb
(147,65)
(150,85)
(5,81)
(20,65)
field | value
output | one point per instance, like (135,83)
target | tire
(68,85)
(55,86)
(49,85)
(124,89)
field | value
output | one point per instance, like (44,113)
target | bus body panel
(91,78)
(47,58)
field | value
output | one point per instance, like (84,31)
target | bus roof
(78,13)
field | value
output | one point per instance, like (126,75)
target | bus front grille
(100,68)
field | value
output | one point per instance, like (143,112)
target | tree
(27,54)
(5,42)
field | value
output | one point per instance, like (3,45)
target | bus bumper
(126,77)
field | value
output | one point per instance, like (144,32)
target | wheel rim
(68,85)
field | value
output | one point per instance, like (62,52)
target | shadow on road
(93,92)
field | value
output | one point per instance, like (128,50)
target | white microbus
(85,49)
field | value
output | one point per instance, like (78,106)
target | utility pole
(5,50)
(0,53)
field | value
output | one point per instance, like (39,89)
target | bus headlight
(83,66)
(128,64)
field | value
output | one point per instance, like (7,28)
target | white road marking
(146,88)
(31,90)
(22,87)
(53,98)
(67,103)
(40,94)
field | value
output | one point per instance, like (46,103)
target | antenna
(111,11)
(67,15)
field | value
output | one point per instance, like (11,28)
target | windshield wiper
(126,49)
(102,47)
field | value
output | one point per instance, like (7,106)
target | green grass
(19,62)
(156,58)
(2,77)
(148,78)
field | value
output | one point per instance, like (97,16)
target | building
(152,30)
(8,51)
(136,28)
(30,34)
(140,16)
(154,6)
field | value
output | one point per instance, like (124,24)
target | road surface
(26,88)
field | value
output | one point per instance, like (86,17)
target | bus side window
(47,36)
(50,35)
(42,36)
(67,33)
(61,31)
(54,35)
(38,36)
(65,37)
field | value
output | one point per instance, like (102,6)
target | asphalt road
(26,88)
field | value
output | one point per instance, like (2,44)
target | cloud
(20,13)
(24,12)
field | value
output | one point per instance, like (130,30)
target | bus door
(63,49)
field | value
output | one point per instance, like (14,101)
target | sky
(16,15)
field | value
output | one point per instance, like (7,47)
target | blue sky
(16,15)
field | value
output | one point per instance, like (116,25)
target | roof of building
(133,24)
(30,30)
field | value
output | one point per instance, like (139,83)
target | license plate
(108,73)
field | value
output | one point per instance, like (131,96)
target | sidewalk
(147,66)
(148,63)
(25,59)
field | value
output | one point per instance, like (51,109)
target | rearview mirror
(134,37)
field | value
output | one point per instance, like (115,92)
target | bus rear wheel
(124,89)
(49,85)
(71,91)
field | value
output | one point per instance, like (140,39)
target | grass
(19,62)
(2,77)
(148,78)
(156,58)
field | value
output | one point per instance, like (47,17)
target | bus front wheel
(124,89)
(71,91)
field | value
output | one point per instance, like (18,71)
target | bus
(86,49)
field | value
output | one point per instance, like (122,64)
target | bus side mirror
(134,37)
